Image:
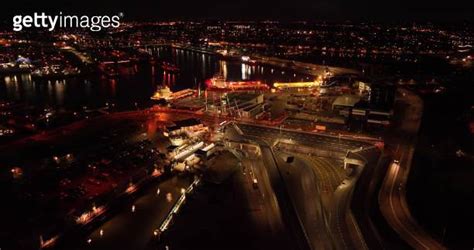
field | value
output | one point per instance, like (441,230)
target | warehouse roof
(346,100)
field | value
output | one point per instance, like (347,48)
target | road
(392,198)
(329,175)
(286,203)
(275,186)
(329,143)
(343,223)
(303,179)
(336,197)
(269,217)
(232,215)
(395,208)
(310,182)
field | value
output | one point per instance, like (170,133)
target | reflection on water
(136,83)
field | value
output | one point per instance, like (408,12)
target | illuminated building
(166,95)
(219,83)
(285,85)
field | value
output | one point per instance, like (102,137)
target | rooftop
(346,100)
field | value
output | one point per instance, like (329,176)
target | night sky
(330,10)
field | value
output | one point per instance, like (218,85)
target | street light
(169,197)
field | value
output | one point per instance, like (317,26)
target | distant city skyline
(340,10)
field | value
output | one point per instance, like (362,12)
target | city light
(281,85)
(131,188)
(88,216)
(116,131)
(169,197)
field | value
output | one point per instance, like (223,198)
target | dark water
(135,83)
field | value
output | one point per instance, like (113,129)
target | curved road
(392,198)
